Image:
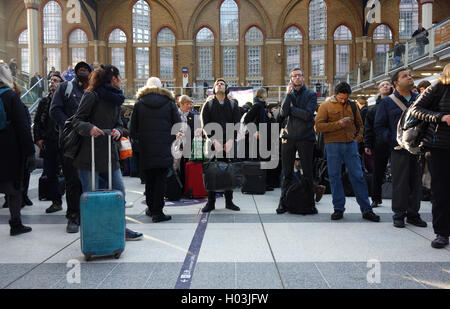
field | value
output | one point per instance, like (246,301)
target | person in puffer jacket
(433,107)
(154,115)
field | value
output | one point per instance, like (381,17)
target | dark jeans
(52,161)
(288,151)
(439,165)
(381,157)
(155,188)
(73,188)
(406,184)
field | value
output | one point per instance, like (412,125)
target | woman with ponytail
(100,110)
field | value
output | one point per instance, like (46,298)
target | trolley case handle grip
(108,132)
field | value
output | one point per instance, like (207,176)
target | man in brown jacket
(340,121)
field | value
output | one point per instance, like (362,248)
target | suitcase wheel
(88,258)
(117,256)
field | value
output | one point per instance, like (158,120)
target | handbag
(125,150)
(220,176)
(70,140)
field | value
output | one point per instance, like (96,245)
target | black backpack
(300,198)
(174,187)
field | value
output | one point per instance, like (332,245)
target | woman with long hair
(433,107)
(100,110)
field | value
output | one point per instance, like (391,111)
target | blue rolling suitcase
(102,218)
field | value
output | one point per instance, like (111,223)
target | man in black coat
(64,105)
(46,138)
(17,148)
(222,111)
(298,135)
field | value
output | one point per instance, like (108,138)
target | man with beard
(64,105)
(298,108)
(220,109)
(46,138)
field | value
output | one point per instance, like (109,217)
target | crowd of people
(353,136)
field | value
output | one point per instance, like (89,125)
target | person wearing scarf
(100,110)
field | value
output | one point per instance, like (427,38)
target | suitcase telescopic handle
(108,133)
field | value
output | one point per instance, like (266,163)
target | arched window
(254,41)
(342,40)
(409,18)
(205,44)
(229,21)
(382,37)
(52,22)
(293,40)
(78,43)
(166,43)
(141,35)
(382,32)
(317,33)
(23,46)
(141,22)
(317,20)
(117,43)
(229,36)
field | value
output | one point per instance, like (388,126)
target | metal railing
(416,51)
(276,93)
(30,96)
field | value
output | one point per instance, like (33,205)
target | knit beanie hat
(6,76)
(154,82)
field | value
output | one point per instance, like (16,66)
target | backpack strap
(398,102)
(353,106)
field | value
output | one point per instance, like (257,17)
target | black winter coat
(214,112)
(44,126)
(300,116)
(16,140)
(154,115)
(62,107)
(432,105)
(94,111)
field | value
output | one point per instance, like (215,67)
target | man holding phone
(298,136)
(340,121)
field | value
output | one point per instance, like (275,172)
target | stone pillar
(427,13)
(3,32)
(32,7)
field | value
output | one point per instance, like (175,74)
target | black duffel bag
(222,176)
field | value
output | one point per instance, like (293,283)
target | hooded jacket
(154,115)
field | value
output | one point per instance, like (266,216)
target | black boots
(440,242)
(211,205)
(18,228)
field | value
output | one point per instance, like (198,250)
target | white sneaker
(129,204)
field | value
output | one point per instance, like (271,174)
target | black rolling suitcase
(254,178)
